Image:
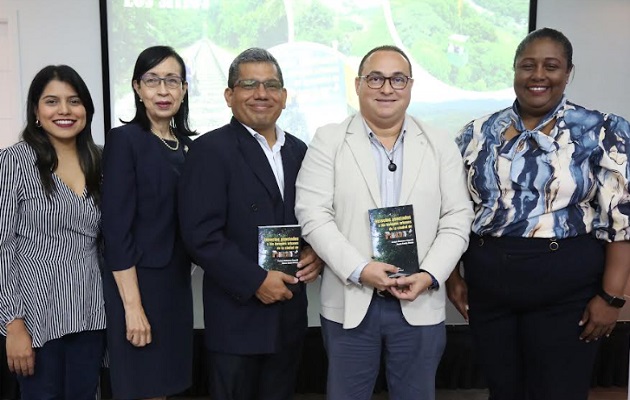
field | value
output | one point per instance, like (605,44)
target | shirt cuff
(435,285)
(355,277)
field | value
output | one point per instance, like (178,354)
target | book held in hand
(394,238)
(279,248)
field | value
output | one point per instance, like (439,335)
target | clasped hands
(376,274)
(274,287)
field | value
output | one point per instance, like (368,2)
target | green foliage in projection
(231,24)
(247,23)
(455,40)
(315,23)
(142,28)
(353,33)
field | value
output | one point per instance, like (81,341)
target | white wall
(600,33)
(58,32)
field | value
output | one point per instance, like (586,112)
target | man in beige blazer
(383,157)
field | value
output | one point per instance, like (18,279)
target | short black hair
(252,55)
(547,33)
(386,47)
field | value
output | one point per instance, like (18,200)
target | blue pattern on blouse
(571,182)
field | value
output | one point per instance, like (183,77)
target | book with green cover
(394,238)
(279,248)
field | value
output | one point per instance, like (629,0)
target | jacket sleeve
(119,202)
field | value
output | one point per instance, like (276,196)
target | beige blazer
(337,185)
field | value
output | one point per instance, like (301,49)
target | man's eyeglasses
(375,81)
(153,81)
(273,85)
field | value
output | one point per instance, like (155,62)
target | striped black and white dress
(49,264)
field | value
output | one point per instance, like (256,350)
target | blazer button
(254,207)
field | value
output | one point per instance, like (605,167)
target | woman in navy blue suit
(148,296)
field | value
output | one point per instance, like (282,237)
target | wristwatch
(614,301)
(434,283)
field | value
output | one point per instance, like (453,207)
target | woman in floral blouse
(549,253)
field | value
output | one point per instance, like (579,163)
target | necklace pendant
(392,167)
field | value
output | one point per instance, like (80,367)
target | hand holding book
(274,287)
(409,287)
(310,265)
(377,274)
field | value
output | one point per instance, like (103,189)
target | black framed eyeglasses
(253,84)
(397,82)
(171,81)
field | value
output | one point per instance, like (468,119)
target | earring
(37,123)
(140,99)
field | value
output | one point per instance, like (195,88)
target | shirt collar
(372,136)
(280,135)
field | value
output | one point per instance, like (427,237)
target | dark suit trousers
(254,377)
(67,368)
(526,298)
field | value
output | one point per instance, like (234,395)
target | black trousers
(526,297)
(67,368)
(254,377)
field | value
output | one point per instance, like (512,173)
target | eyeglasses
(273,85)
(397,82)
(153,81)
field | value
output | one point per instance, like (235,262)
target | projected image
(461,53)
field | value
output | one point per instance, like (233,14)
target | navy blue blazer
(139,199)
(228,189)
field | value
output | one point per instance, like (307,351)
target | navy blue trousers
(67,368)
(526,297)
(412,354)
(255,376)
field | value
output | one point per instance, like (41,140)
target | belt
(551,244)
(384,294)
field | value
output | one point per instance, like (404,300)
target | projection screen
(461,53)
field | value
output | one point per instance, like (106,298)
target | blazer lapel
(290,165)
(359,145)
(255,157)
(413,153)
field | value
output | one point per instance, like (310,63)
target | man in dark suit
(237,178)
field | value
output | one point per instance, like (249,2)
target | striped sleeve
(11,306)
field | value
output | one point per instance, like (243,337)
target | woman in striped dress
(51,301)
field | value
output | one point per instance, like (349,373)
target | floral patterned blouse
(570,182)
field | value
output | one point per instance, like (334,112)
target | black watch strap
(614,301)
(434,283)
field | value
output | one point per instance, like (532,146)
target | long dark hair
(148,59)
(89,153)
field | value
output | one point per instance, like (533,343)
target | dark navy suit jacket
(139,199)
(228,189)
